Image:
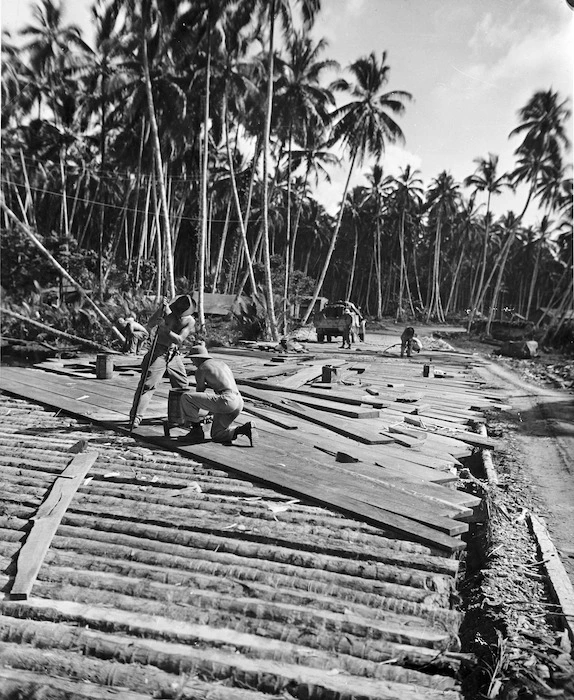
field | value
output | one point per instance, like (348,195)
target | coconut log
(208,652)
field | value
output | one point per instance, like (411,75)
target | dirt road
(542,424)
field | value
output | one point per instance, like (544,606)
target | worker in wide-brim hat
(217,394)
(175,323)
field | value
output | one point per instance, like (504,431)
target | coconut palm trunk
(271,321)
(158,164)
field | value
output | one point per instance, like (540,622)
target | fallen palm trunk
(62,334)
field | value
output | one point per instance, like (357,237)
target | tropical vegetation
(182,151)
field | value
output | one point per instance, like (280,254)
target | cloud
(521,52)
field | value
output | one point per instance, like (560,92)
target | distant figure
(289,345)
(347,318)
(410,342)
(135,334)
(217,393)
(175,322)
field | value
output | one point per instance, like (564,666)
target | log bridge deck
(321,562)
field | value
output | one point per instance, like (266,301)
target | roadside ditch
(512,623)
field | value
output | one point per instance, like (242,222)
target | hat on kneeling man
(199,352)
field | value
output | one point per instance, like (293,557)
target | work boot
(194,437)
(245,429)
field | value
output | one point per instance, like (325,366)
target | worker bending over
(217,393)
(410,342)
(174,324)
(134,333)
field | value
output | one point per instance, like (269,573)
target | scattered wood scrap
(45,523)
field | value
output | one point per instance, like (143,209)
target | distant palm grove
(182,152)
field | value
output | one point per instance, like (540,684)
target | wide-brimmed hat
(183,305)
(199,352)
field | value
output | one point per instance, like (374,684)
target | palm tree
(363,126)
(380,187)
(406,200)
(271,10)
(20,89)
(48,49)
(543,125)
(485,178)
(443,199)
(354,208)
(510,228)
(314,156)
(302,108)
(545,229)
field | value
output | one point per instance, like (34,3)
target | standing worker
(347,319)
(174,323)
(217,393)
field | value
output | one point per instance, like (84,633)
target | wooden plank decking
(288,462)
(238,572)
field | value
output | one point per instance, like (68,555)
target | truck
(329,322)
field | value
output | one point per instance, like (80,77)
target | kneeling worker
(217,393)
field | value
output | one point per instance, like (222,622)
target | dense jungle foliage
(181,153)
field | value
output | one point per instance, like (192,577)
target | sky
(470,65)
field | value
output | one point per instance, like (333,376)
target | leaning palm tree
(543,125)
(485,178)
(363,126)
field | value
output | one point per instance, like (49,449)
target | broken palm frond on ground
(323,562)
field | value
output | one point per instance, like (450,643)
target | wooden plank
(474,439)
(301,377)
(559,581)
(448,443)
(266,371)
(403,463)
(340,396)
(341,409)
(267,469)
(355,430)
(58,402)
(397,489)
(273,417)
(45,523)
(308,485)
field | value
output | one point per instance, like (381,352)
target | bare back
(216,375)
